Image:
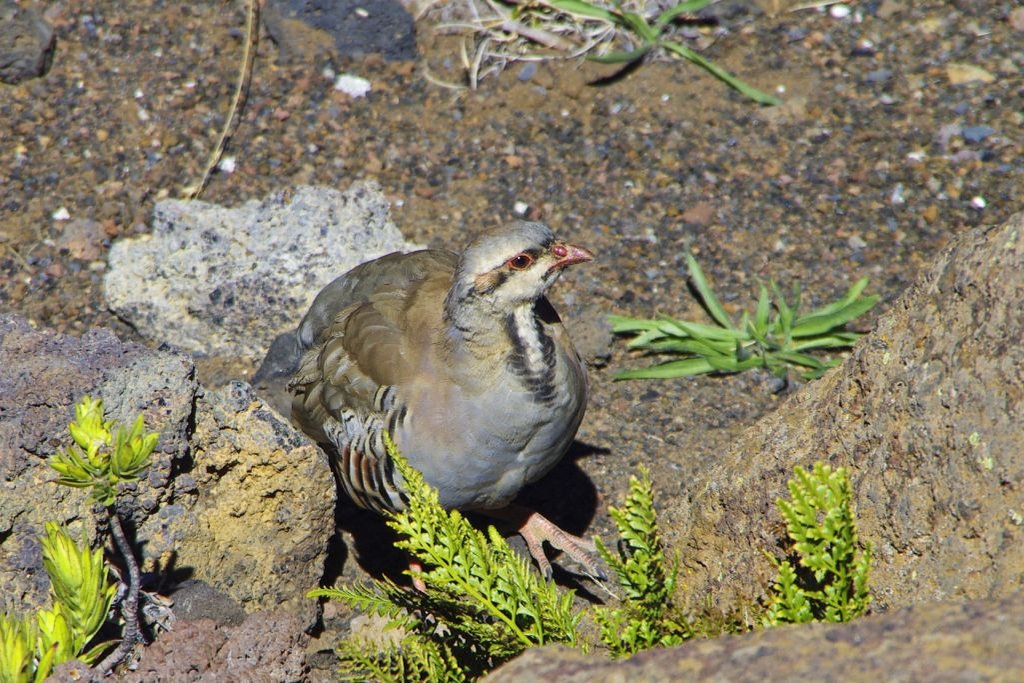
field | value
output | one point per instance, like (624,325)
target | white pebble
(226,165)
(897,198)
(61,214)
(839,11)
(353,86)
(979,202)
(520,208)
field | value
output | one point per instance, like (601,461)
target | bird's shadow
(566,496)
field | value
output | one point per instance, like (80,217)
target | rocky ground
(901,129)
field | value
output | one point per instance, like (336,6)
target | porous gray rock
(225,281)
(234,497)
(42,376)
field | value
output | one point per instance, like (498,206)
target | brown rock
(267,647)
(925,414)
(979,640)
(265,510)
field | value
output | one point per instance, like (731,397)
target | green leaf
(819,323)
(677,368)
(759,330)
(620,56)
(701,331)
(584,9)
(707,295)
(718,72)
(639,26)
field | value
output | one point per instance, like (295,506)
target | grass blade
(816,323)
(851,295)
(707,295)
(764,307)
(686,328)
(839,340)
(640,27)
(584,9)
(687,367)
(619,57)
(748,91)
(794,358)
(622,323)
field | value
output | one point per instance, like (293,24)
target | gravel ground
(877,158)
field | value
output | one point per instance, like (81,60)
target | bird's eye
(520,261)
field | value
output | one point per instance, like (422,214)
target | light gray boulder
(225,281)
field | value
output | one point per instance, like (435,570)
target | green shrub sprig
(80,592)
(644,621)
(103,456)
(100,457)
(483,604)
(820,523)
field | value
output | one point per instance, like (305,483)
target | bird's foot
(535,528)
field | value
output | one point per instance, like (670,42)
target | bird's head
(513,265)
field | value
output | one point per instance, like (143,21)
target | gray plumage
(461,358)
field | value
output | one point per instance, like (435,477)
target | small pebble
(864,48)
(527,72)
(978,202)
(795,35)
(839,11)
(878,76)
(520,208)
(975,134)
(61,214)
(353,86)
(897,198)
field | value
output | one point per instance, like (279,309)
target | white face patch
(524,286)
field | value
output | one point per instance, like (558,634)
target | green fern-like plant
(644,621)
(483,606)
(820,524)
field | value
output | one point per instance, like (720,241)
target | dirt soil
(878,156)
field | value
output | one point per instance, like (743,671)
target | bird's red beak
(568,254)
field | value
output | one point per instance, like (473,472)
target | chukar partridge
(463,361)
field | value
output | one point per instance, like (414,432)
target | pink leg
(535,528)
(415,566)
